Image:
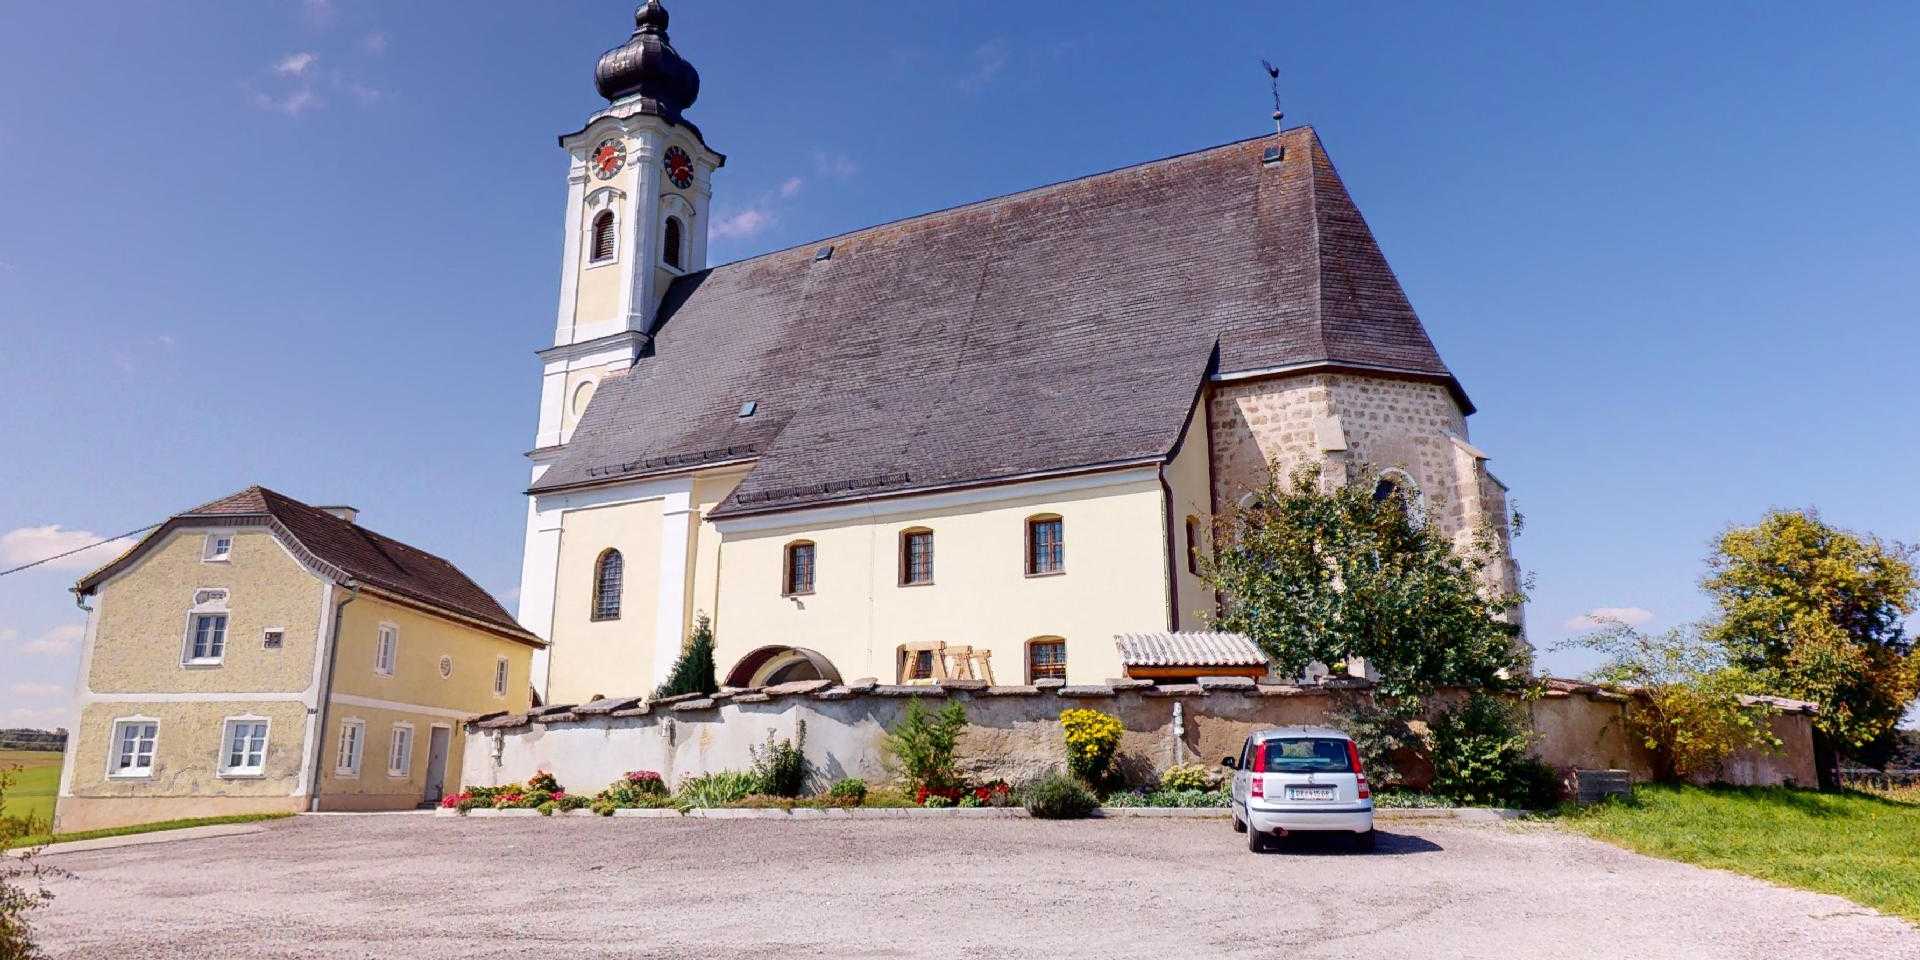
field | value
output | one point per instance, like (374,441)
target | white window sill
(596,264)
(202,664)
(242,774)
(131,775)
(224,559)
(340,774)
(388,675)
(403,775)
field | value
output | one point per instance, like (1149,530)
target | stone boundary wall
(1014,732)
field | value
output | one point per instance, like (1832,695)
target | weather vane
(1273,77)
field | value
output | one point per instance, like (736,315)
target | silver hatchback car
(1300,779)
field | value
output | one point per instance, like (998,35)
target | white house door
(437,764)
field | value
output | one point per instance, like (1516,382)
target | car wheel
(1256,841)
(1239,825)
(1365,842)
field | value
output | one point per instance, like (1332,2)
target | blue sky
(1671,254)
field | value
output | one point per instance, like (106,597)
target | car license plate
(1309,793)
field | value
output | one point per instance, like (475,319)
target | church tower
(639,184)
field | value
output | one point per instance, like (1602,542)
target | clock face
(679,167)
(608,158)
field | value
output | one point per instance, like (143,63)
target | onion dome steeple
(648,66)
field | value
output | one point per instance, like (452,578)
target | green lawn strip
(1861,847)
(148,828)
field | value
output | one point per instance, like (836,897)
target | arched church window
(603,237)
(606,585)
(670,244)
(1396,485)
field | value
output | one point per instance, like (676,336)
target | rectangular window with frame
(219,547)
(500,677)
(353,735)
(207,638)
(134,742)
(1046,551)
(386,650)
(916,557)
(799,578)
(400,753)
(245,753)
(1046,660)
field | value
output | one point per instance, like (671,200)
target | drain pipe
(1179,734)
(325,695)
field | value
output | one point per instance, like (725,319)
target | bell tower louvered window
(603,237)
(670,244)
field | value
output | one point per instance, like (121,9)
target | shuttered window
(602,237)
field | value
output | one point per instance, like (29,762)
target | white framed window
(353,743)
(219,548)
(205,644)
(135,739)
(386,650)
(244,747)
(400,752)
(500,677)
(273,638)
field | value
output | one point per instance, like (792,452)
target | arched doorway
(769,665)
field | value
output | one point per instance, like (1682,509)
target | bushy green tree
(1816,612)
(1689,714)
(923,744)
(1324,575)
(694,671)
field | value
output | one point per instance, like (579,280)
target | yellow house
(257,654)
(983,441)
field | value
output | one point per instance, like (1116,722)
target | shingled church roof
(1063,328)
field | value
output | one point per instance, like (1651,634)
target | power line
(69,553)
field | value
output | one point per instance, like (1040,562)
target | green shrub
(716,789)
(969,800)
(849,791)
(1480,756)
(23,879)
(544,782)
(1189,776)
(1092,739)
(1382,734)
(1167,798)
(922,744)
(762,801)
(781,767)
(1057,796)
(937,800)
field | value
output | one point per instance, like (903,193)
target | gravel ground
(980,889)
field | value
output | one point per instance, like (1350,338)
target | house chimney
(349,514)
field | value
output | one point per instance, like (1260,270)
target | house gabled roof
(355,552)
(1063,328)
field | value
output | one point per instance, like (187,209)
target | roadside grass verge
(1860,846)
(45,838)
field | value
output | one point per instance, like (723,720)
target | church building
(984,441)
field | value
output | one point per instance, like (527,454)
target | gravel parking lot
(393,886)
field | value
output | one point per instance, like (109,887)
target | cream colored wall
(140,642)
(186,763)
(703,546)
(608,657)
(372,787)
(1190,481)
(1115,581)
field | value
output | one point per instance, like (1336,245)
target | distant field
(34,783)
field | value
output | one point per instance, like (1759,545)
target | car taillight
(1255,785)
(1359,774)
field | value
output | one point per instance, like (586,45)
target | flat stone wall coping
(482,718)
(1227,683)
(678,698)
(650,813)
(798,686)
(608,705)
(1177,690)
(538,712)
(962,683)
(863,684)
(752,696)
(907,690)
(1050,683)
(1027,691)
(834,693)
(1085,691)
(1128,683)
(638,710)
(703,703)
(504,722)
(567,717)
(1288,690)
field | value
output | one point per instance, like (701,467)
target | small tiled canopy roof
(1193,649)
(1065,328)
(354,551)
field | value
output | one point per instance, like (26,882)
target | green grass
(37,840)
(1862,847)
(36,778)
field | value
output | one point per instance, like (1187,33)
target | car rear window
(1306,755)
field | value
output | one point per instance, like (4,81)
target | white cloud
(1600,617)
(37,691)
(791,186)
(988,60)
(59,641)
(39,718)
(374,44)
(746,223)
(28,544)
(295,64)
(837,165)
(293,104)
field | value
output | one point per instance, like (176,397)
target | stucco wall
(1115,581)
(1190,487)
(139,642)
(1014,732)
(605,656)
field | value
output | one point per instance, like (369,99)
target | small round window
(446,667)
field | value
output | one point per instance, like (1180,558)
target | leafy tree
(923,742)
(694,671)
(1815,612)
(1480,756)
(1325,575)
(1691,715)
